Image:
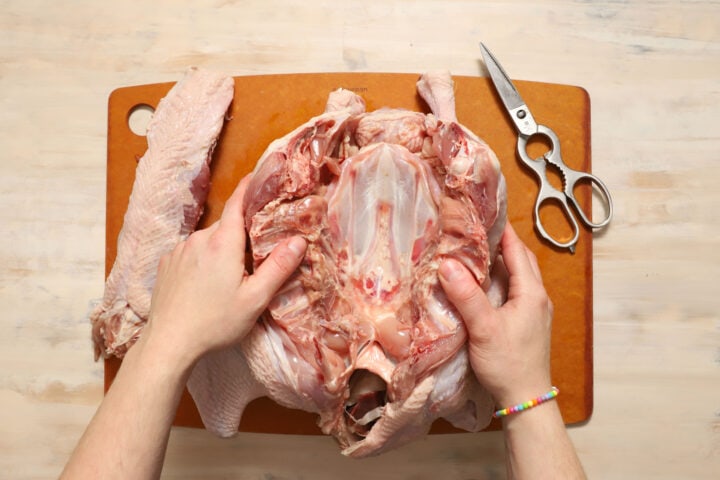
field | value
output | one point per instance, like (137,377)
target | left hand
(203,298)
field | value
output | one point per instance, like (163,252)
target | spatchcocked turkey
(363,334)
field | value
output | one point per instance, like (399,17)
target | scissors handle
(548,193)
(571,178)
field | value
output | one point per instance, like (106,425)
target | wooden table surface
(652,69)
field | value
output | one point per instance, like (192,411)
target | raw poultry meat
(363,334)
(168,196)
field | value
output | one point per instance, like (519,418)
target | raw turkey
(363,334)
(167,200)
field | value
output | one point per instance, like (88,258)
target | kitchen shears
(527,128)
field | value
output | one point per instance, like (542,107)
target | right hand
(509,346)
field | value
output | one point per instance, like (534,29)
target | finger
(163,265)
(532,258)
(212,228)
(232,215)
(203,233)
(515,256)
(467,296)
(275,270)
(230,228)
(168,261)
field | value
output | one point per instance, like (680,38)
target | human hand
(203,298)
(509,346)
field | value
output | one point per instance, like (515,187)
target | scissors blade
(514,104)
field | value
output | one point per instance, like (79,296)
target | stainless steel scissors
(527,128)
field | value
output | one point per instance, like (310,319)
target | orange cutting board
(269,106)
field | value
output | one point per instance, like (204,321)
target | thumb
(467,296)
(276,269)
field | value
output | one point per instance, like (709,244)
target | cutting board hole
(139,119)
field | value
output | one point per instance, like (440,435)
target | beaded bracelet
(527,405)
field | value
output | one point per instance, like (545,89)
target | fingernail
(297,245)
(450,270)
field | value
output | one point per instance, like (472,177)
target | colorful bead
(527,405)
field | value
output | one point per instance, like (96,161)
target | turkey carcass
(363,334)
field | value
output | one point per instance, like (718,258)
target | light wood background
(652,69)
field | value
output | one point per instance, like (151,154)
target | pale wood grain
(652,69)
